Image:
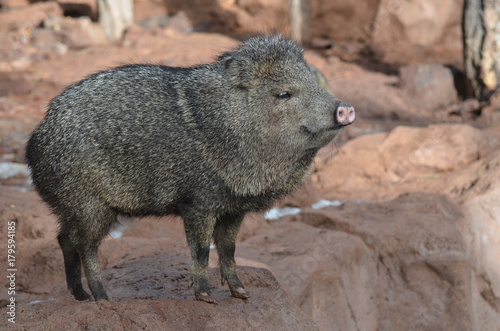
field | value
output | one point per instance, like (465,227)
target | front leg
(199,230)
(225,233)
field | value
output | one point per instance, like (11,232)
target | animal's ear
(238,72)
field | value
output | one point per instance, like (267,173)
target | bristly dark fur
(209,143)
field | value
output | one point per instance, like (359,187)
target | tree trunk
(115,16)
(481,39)
(301,21)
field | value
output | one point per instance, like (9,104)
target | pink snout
(345,114)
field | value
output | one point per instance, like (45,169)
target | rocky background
(407,236)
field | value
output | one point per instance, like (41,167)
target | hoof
(101,297)
(81,295)
(240,293)
(205,297)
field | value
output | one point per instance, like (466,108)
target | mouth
(321,138)
(328,130)
(338,126)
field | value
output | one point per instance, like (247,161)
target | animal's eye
(283,95)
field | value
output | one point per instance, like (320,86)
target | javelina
(208,143)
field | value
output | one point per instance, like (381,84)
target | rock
(33,220)
(469,108)
(430,86)
(144,9)
(11,84)
(477,189)
(469,164)
(418,23)
(332,179)
(180,23)
(11,4)
(152,293)
(409,151)
(372,51)
(495,101)
(78,32)
(319,43)
(15,175)
(29,17)
(152,22)
(332,17)
(481,230)
(398,265)
(383,163)
(22,64)
(49,41)
(402,29)
(247,16)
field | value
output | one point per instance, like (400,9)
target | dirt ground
(411,242)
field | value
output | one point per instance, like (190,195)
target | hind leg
(92,272)
(92,231)
(88,228)
(73,267)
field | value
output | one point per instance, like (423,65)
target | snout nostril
(340,113)
(352,115)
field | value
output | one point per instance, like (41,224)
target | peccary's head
(279,113)
(281,92)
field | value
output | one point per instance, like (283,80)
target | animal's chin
(323,137)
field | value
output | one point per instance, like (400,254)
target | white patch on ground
(34,302)
(326,203)
(276,213)
(11,169)
(19,188)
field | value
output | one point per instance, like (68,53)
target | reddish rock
(13,84)
(244,17)
(29,17)
(11,4)
(398,265)
(180,23)
(144,9)
(408,151)
(79,32)
(430,86)
(145,297)
(418,25)
(406,159)
(344,20)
